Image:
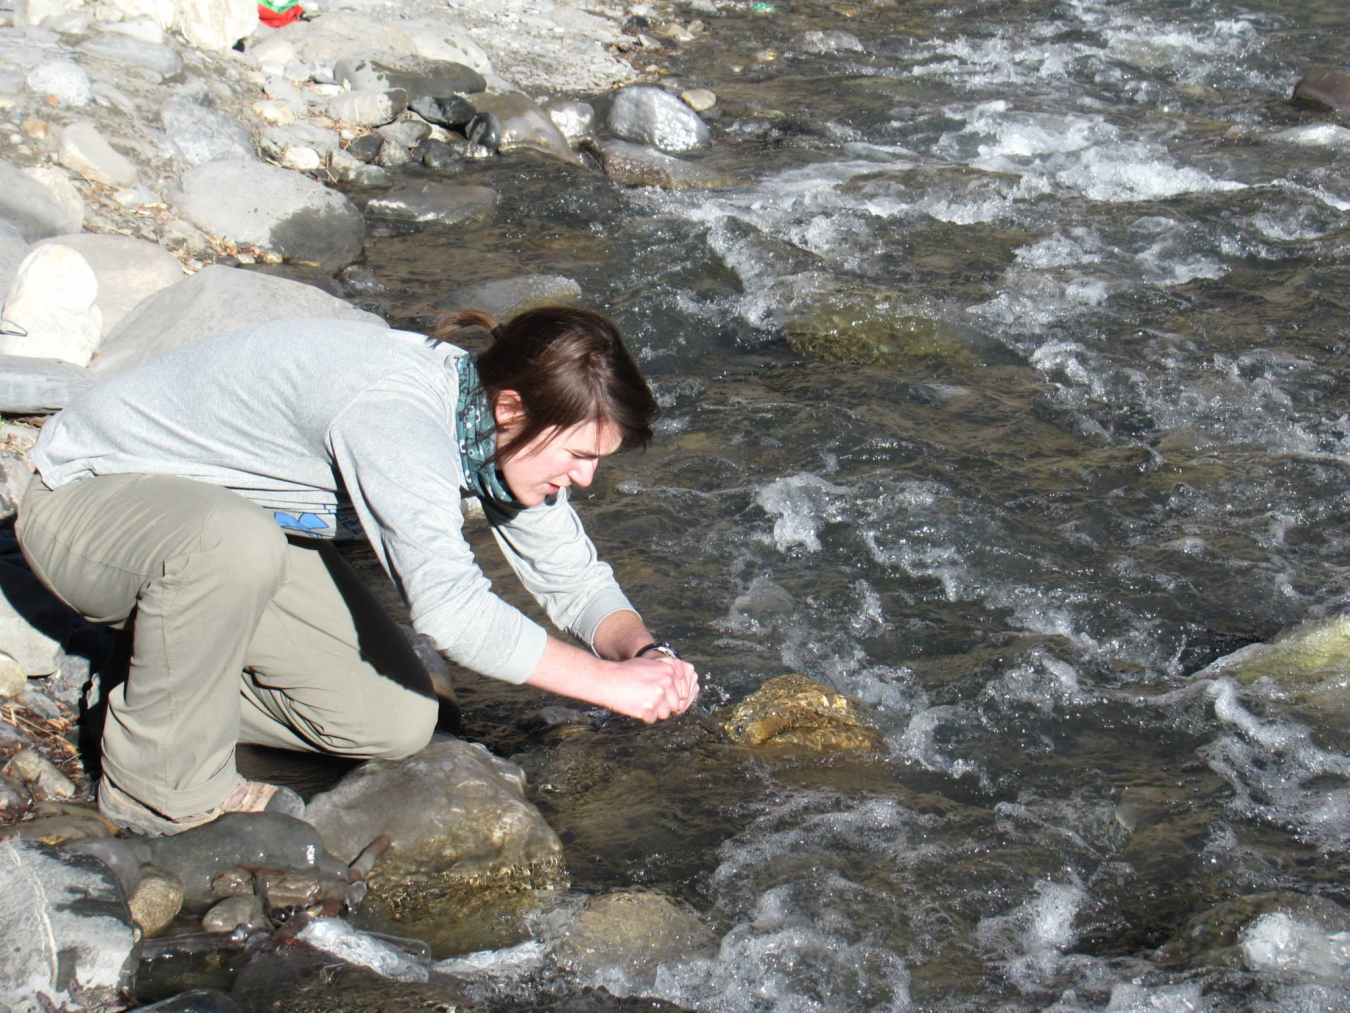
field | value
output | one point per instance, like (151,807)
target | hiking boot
(247,797)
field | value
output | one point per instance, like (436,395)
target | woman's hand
(651,688)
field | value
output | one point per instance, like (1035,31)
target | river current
(1005,391)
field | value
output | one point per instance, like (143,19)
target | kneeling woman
(195,496)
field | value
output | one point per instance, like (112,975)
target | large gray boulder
(31,385)
(418,76)
(432,203)
(29,207)
(217,298)
(459,827)
(63,924)
(657,118)
(202,134)
(251,203)
(50,309)
(336,35)
(128,270)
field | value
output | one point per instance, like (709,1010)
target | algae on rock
(871,328)
(795,712)
(1311,659)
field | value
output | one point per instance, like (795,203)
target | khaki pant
(239,635)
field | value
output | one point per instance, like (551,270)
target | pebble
(367,147)
(275,112)
(85,150)
(38,130)
(233,912)
(407,133)
(699,99)
(301,159)
(34,768)
(156,901)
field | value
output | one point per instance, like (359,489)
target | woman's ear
(507,410)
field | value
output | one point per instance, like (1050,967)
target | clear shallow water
(1123,455)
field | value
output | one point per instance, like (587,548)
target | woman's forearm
(645,688)
(620,635)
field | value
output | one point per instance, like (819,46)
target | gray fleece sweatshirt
(335,428)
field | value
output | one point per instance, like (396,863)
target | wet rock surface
(794,712)
(1329,89)
(510,296)
(62,921)
(461,835)
(657,118)
(432,203)
(638,165)
(624,937)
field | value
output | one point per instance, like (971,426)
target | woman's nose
(583,472)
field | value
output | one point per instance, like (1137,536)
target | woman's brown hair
(567,365)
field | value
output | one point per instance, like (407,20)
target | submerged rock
(637,165)
(62,921)
(1311,658)
(461,834)
(624,937)
(430,202)
(795,712)
(254,204)
(865,328)
(156,901)
(657,118)
(1214,938)
(509,296)
(1330,89)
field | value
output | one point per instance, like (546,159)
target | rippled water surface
(1006,391)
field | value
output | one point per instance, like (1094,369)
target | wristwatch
(660,648)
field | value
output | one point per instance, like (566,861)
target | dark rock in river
(440,157)
(521,124)
(655,117)
(637,165)
(430,202)
(29,384)
(253,204)
(215,299)
(62,921)
(366,147)
(444,110)
(1330,89)
(484,130)
(418,76)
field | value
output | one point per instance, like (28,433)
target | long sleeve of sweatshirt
(396,454)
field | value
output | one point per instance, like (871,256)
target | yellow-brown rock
(156,901)
(794,712)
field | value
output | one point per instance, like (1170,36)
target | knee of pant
(248,540)
(408,729)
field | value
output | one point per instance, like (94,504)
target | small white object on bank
(53,301)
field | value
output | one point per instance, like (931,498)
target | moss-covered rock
(873,329)
(793,712)
(1311,658)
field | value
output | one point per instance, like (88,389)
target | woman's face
(553,460)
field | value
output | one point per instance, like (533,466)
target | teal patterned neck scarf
(475,431)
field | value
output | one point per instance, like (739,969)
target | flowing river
(1006,390)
